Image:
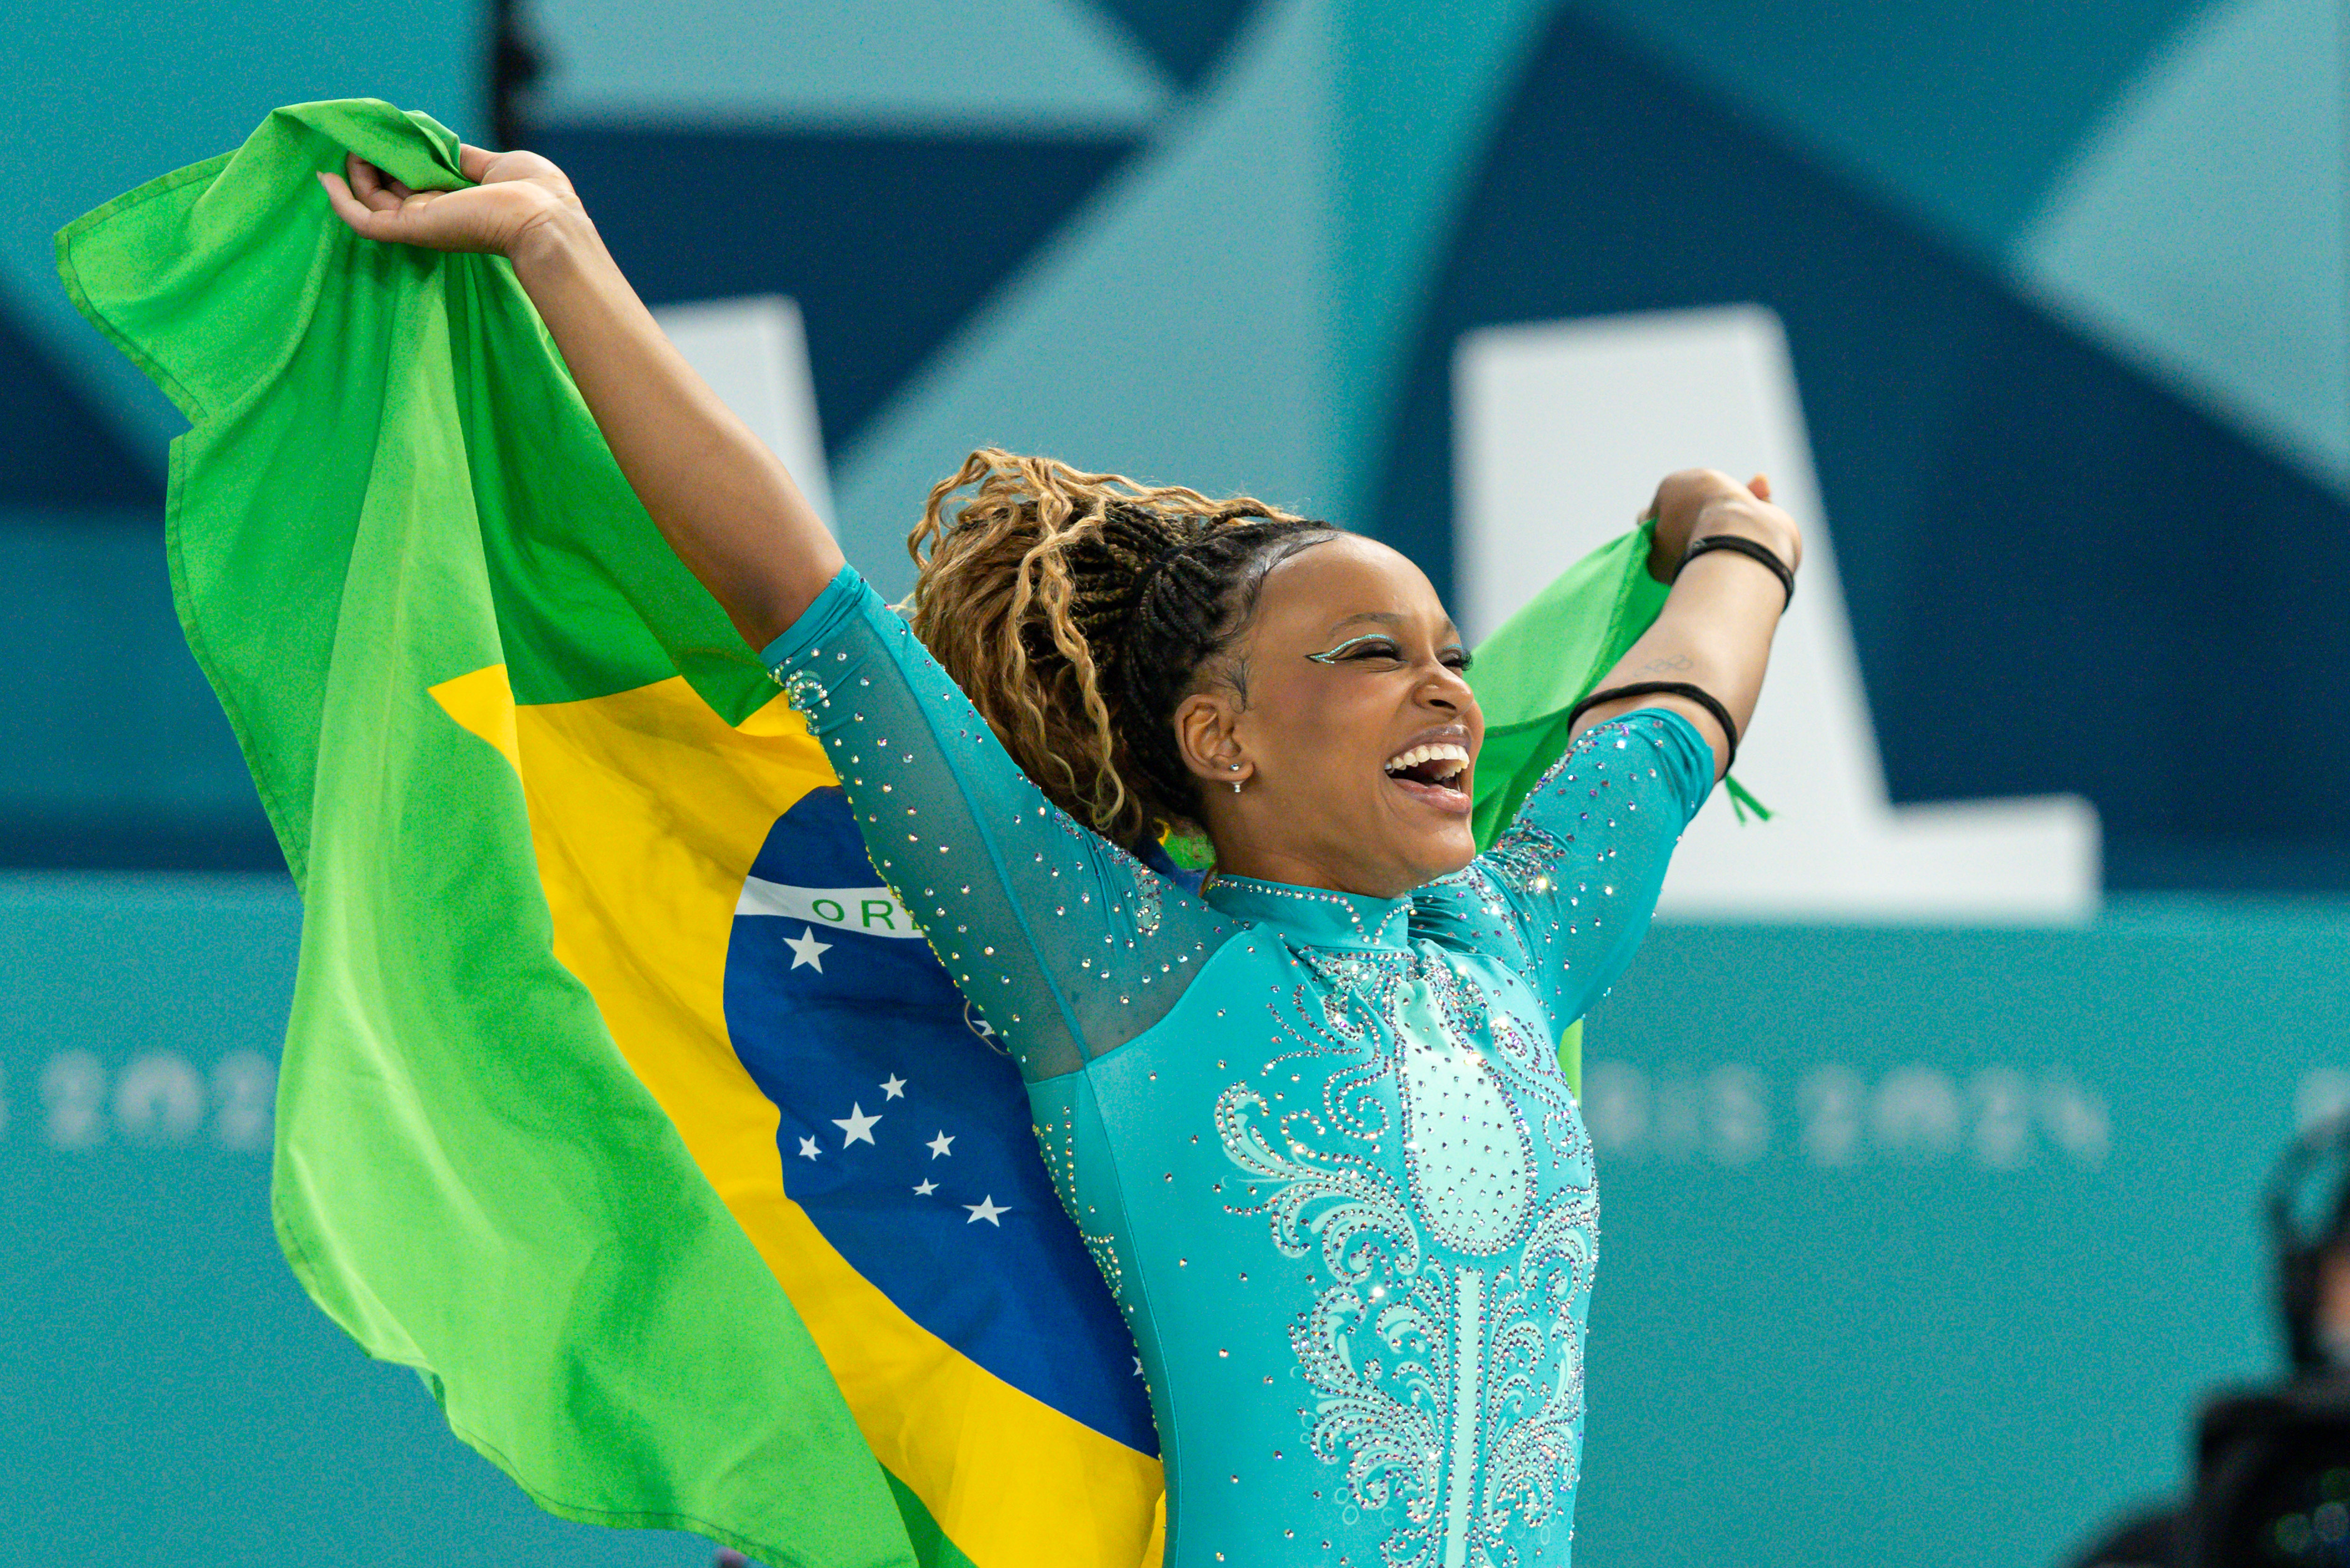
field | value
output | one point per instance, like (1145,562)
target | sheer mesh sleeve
(1566,893)
(1069,946)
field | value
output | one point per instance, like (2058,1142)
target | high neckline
(1317,917)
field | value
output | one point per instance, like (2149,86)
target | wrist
(1765,525)
(557,236)
(1664,550)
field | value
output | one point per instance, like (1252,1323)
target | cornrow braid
(1079,609)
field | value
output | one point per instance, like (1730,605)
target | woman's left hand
(1697,501)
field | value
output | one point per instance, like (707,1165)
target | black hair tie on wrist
(1697,694)
(1752,551)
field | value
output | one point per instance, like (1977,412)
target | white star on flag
(926,1188)
(858,1127)
(893,1087)
(986,1209)
(807,1147)
(939,1145)
(807,949)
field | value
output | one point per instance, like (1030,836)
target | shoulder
(1467,911)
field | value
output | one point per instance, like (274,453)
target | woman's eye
(1387,650)
(1457,659)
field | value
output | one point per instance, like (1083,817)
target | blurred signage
(1832,1115)
(78,1101)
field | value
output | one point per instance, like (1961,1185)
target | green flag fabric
(469,1177)
(1529,675)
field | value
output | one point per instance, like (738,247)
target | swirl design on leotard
(1443,1354)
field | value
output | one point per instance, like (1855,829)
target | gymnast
(1310,1120)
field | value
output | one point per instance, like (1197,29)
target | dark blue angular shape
(1187,36)
(887,242)
(56,450)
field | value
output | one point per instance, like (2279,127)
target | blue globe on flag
(905,1132)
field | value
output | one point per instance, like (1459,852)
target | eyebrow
(1385,617)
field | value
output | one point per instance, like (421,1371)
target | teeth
(1443,751)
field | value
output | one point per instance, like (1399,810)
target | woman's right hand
(719,497)
(514,196)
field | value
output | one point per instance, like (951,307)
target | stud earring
(1236,784)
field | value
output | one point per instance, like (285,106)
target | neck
(1240,854)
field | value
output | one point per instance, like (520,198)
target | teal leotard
(1319,1144)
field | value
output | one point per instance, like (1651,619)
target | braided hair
(1078,610)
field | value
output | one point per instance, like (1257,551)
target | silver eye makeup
(1386,646)
(1378,645)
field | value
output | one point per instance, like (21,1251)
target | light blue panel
(2201,230)
(1920,1248)
(1176,330)
(1419,89)
(1956,115)
(1021,67)
(108,715)
(100,98)
(167,1395)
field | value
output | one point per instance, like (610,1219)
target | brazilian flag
(620,1099)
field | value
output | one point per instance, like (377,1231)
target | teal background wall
(1921,1247)
(167,1395)
(1918,1245)
(1917,1248)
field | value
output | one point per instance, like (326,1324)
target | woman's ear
(1203,733)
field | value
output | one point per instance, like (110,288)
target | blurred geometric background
(2065,288)
(1922,1243)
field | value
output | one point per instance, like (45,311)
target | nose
(1446,690)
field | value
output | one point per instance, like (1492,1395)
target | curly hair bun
(1079,609)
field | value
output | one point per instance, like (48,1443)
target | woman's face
(1355,733)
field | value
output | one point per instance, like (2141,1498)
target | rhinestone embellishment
(1443,1354)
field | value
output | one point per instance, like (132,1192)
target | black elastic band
(1697,694)
(1752,551)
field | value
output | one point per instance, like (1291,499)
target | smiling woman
(1308,1119)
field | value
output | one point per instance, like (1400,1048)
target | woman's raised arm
(1715,630)
(721,499)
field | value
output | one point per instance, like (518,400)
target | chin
(1425,823)
(1452,859)
(1422,863)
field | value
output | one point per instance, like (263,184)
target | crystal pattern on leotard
(1443,1354)
(1527,857)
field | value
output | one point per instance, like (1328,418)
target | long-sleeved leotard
(1319,1144)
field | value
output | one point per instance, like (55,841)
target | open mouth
(1437,771)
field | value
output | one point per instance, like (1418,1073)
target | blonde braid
(1028,595)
